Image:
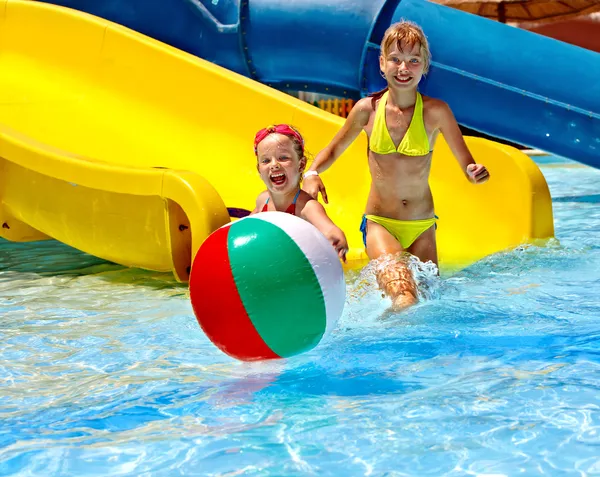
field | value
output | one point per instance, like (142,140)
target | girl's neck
(403,99)
(282,200)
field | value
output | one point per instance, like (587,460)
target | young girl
(280,162)
(402,126)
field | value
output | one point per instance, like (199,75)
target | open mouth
(403,79)
(278,178)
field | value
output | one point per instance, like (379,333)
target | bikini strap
(265,207)
(296,197)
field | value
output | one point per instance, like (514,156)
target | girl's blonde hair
(406,33)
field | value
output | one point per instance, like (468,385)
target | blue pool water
(105,371)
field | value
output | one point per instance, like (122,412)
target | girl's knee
(396,279)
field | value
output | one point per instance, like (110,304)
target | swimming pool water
(105,371)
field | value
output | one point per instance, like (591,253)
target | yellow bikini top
(414,143)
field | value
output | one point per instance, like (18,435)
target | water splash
(364,293)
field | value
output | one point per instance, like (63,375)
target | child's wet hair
(406,33)
(403,33)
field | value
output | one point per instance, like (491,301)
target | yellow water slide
(131,150)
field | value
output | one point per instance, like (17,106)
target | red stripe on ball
(217,304)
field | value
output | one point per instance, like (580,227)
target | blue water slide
(498,79)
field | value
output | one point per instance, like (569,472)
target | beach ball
(267,286)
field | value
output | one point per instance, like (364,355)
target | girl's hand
(339,242)
(313,185)
(477,173)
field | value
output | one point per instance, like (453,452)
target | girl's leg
(396,280)
(425,247)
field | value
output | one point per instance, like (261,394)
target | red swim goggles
(284,129)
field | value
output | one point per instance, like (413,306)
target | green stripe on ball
(277,285)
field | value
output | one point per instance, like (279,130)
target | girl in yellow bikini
(402,126)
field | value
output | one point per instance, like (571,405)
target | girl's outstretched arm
(356,121)
(476,173)
(314,213)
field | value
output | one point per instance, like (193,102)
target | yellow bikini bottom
(405,231)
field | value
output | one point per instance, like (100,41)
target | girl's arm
(476,173)
(356,121)
(314,213)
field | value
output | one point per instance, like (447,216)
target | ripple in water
(105,371)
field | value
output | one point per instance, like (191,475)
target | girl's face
(279,166)
(402,67)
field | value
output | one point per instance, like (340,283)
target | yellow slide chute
(131,150)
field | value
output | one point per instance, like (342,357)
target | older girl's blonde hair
(407,33)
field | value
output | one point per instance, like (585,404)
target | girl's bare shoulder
(433,103)
(435,108)
(365,104)
(303,199)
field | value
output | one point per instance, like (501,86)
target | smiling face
(405,55)
(279,163)
(402,65)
